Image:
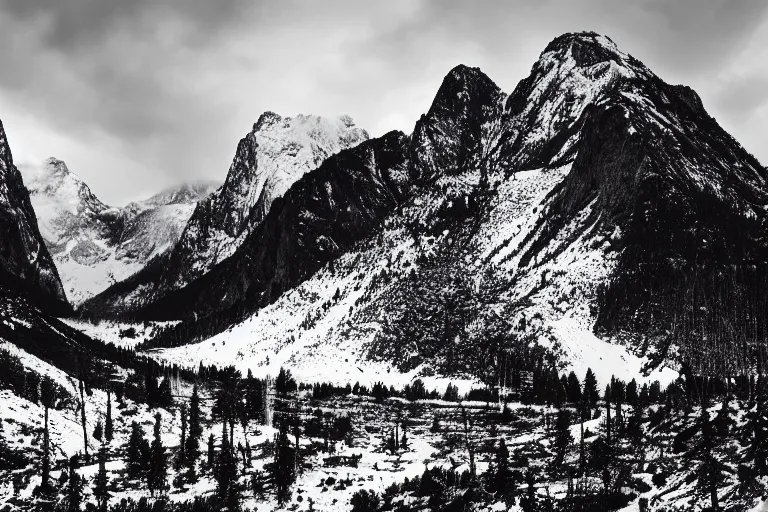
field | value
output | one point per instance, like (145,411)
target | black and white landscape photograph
(358,256)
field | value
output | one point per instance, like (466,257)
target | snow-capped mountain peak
(269,159)
(183,194)
(53,177)
(276,153)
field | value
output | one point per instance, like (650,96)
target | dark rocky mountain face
(463,118)
(692,265)
(26,266)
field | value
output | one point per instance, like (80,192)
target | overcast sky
(137,95)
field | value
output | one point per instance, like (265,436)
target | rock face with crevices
(26,266)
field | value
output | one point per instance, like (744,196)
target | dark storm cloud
(72,24)
(699,34)
(122,75)
(136,94)
(682,34)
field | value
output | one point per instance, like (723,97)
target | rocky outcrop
(26,266)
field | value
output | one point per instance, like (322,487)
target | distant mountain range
(95,245)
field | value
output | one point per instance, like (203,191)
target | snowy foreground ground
(436,437)
(377,469)
(658,466)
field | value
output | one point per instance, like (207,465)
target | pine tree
(529,503)
(557,390)
(82,418)
(224,434)
(582,454)
(108,426)
(503,473)
(632,396)
(243,410)
(645,396)
(192,449)
(756,429)
(98,431)
(590,389)
(635,434)
(158,470)
(724,420)
(392,442)
(654,392)
(227,398)
(574,388)
(48,398)
(74,488)
(225,471)
(164,393)
(284,382)
(296,437)
(451,393)
(607,398)
(600,454)
(211,452)
(711,471)
(254,399)
(101,482)
(134,452)
(283,472)
(150,386)
(563,437)
(182,458)
(195,425)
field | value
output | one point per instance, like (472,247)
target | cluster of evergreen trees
(625,408)
(29,384)
(147,462)
(413,391)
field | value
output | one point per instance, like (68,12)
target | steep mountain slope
(338,204)
(30,290)
(25,265)
(274,155)
(271,158)
(539,225)
(154,225)
(95,245)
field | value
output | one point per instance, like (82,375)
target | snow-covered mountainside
(26,266)
(530,220)
(95,245)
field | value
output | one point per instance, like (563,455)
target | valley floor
(655,471)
